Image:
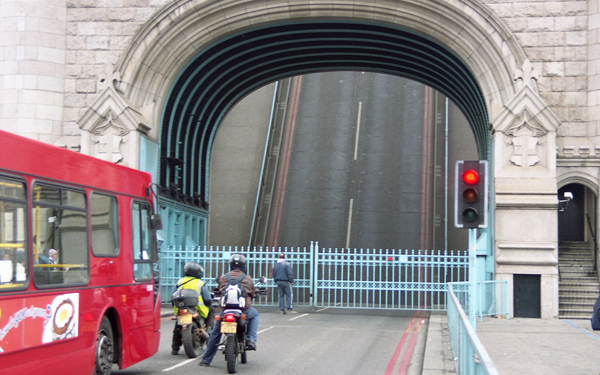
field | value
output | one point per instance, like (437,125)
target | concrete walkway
(522,346)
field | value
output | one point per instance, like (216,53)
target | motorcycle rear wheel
(231,352)
(191,340)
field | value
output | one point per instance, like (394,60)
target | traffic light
(470,194)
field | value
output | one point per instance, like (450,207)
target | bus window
(59,222)
(142,241)
(13,247)
(105,225)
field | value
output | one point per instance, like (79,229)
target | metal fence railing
(492,297)
(326,277)
(386,279)
(215,260)
(471,356)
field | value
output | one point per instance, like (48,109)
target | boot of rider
(176,343)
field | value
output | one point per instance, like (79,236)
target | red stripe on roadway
(390,367)
(406,358)
(285,153)
(411,346)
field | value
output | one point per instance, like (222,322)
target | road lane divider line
(179,365)
(266,329)
(357,130)
(349,224)
(299,316)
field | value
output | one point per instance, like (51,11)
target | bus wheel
(105,348)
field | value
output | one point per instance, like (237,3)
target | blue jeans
(285,293)
(215,335)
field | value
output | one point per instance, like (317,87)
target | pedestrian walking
(596,315)
(283,275)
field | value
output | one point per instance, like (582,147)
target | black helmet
(193,269)
(237,261)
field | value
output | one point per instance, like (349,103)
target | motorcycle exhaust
(203,334)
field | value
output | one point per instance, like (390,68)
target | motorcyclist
(194,273)
(237,267)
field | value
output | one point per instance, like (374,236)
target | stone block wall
(594,70)
(98,33)
(32,67)
(59,49)
(554,36)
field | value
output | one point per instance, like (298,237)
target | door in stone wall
(571,213)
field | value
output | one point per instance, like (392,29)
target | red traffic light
(470,177)
(471,194)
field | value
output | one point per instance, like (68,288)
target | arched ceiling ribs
(223,73)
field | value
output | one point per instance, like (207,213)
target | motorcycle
(190,323)
(234,331)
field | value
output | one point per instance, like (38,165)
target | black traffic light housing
(470,194)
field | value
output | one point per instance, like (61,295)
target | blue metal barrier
(215,260)
(492,297)
(386,279)
(351,278)
(471,357)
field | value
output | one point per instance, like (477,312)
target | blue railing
(471,357)
(492,297)
(215,260)
(326,277)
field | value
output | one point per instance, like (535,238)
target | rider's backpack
(234,295)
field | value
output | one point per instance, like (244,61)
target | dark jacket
(596,315)
(247,283)
(282,271)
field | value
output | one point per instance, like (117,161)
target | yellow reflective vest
(194,284)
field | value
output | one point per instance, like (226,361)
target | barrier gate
(326,277)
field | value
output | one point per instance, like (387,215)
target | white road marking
(266,329)
(299,316)
(357,130)
(179,364)
(349,224)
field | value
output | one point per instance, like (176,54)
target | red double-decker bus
(78,262)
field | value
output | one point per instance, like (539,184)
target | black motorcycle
(234,331)
(190,323)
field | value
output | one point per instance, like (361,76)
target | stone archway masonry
(92,75)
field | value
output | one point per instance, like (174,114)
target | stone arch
(590,184)
(465,31)
(172,38)
(585,179)
(509,117)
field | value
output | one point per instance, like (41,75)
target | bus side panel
(40,320)
(73,362)
(138,316)
(135,353)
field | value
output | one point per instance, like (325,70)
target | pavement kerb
(438,358)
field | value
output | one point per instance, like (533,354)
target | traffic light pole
(472,276)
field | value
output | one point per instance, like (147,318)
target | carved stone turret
(111,126)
